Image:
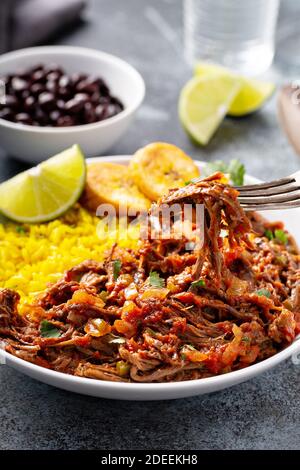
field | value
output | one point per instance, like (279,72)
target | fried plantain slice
(112,183)
(159,167)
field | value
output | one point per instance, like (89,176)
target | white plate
(160,391)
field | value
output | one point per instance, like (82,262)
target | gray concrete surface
(263,413)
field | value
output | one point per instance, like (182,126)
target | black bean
(104,90)
(18,84)
(104,100)
(100,111)
(23,118)
(24,94)
(64,81)
(89,113)
(41,116)
(88,86)
(53,76)
(65,121)
(55,115)
(111,111)
(29,103)
(51,86)
(95,97)
(46,101)
(60,104)
(81,97)
(38,76)
(64,93)
(36,89)
(74,106)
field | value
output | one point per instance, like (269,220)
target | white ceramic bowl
(34,144)
(161,391)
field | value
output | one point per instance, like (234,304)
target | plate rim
(162,390)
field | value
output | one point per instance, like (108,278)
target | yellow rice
(32,256)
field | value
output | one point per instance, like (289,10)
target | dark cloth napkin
(25,23)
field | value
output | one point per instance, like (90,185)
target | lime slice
(204,102)
(252,95)
(45,191)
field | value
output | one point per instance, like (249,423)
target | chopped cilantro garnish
(48,330)
(237,172)
(155,280)
(246,339)
(269,234)
(116,268)
(20,229)
(281,236)
(199,283)
(278,235)
(263,292)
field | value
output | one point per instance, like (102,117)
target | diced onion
(237,287)
(131,292)
(97,327)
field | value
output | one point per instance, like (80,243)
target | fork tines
(277,194)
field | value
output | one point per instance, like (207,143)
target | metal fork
(277,194)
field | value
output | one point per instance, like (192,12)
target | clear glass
(239,34)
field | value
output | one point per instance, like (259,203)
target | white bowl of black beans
(55,96)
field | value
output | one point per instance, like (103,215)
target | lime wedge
(252,95)
(45,191)
(204,102)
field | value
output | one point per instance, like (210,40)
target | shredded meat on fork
(164,312)
(222,210)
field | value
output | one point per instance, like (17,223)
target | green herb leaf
(48,330)
(269,234)
(263,292)
(199,283)
(281,236)
(117,264)
(237,172)
(246,339)
(20,229)
(235,169)
(155,280)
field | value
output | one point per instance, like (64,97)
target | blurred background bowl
(34,144)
